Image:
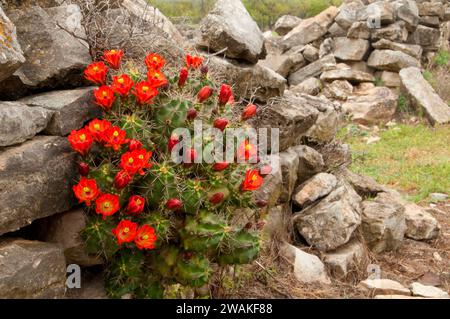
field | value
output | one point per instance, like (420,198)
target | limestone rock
(389,79)
(350,75)
(411,49)
(359,30)
(286,23)
(396,32)
(349,257)
(310,162)
(19,122)
(365,186)
(407,14)
(338,90)
(311,70)
(337,31)
(430,21)
(283,64)
(426,37)
(384,287)
(278,222)
(336,156)
(31,270)
(315,188)
(431,8)
(271,189)
(310,86)
(347,14)
(347,49)
(41,171)
(310,53)
(420,225)
(423,95)
(289,171)
(229,25)
(382,12)
(428,291)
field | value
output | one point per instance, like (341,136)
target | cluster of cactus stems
(190,208)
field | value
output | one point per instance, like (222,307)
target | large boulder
(351,49)
(12,56)
(229,26)
(19,122)
(331,223)
(251,81)
(422,95)
(383,223)
(31,270)
(376,105)
(54,57)
(39,172)
(285,24)
(391,60)
(70,108)
(311,70)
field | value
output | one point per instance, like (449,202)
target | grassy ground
(414,159)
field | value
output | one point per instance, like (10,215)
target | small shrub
(442,58)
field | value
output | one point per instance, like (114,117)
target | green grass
(412,159)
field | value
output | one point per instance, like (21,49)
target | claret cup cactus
(157,221)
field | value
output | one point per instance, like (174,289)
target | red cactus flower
(174,204)
(204,94)
(216,198)
(122,179)
(226,92)
(125,231)
(191,114)
(156,78)
(173,140)
(96,73)
(134,145)
(249,111)
(86,190)
(182,78)
(104,97)
(145,92)
(145,238)
(113,58)
(220,166)
(136,161)
(252,180)
(135,205)
(220,123)
(83,169)
(97,128)
(122,84)
(193,62)
(114,137)
(81,141)
(154,61)
(190,156)
(107,205)
(246,151)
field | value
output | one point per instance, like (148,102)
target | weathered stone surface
(54,57)
(310,162)
(347,14)
(426,37)
(229,25)
(360,66)
(395,297)
(431,8)
(41,172)
(12,56)
(255,81)
(420,225)
(406,13)
(278,222)
(389,79)
(311,86)
(311,70)
(346,258)
(315,188)
(330,224)
(289,171)
(359,30)
(271,189)
(423,95)
(430,21)
(391,60)
(411,49)
(365,186)
(326,47)
(383,223)
(283,64)
(310,53)
(337,31)
(19,122)
(70,108)
(350,75)
(65,230)
(384,287)
(376,105)
(307,268)
(350,49)
(428,291)
(292,115)
(396,32)
(380,12)
(31,270)
(92,287)
(338,90)
(311,29)
(286,23)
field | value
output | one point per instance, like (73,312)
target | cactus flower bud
(174,204)
(83,169)
(204,94)
(182,78)
(204,70)
(134,145)
(220,123)
(122,179)
(220,166)
(261,203)
(248,225)
(173,140)
(191,114)
(249,111)
(135,205)
(217,198)
(225,94)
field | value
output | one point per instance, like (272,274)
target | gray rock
(420,225)
(65,230)
(389,79)
(289,170)
(381,12)
(391,60)
(338,90)
(428,291)
(277,225)
(411,49)
(350,75)
(310,53)
(70,108)
(346,258)
(423,95)
(315,188)
(407,14)
(376,105)
(431,8)
(311,70)
(271,189)
(54,57)
(12,56)
(359,30)
(337,31)
(330,224)
(310,86)
(41,172)
(92,287)
(430,21)
(426,37)
(283,64)
(19,122)
(286,23)
(347,14)
(351,49)
(437,197)
(310,162)
(396,32)
(31,270)
(229,25)
(336,156)
(384,287)
(365,186)
(383,223)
